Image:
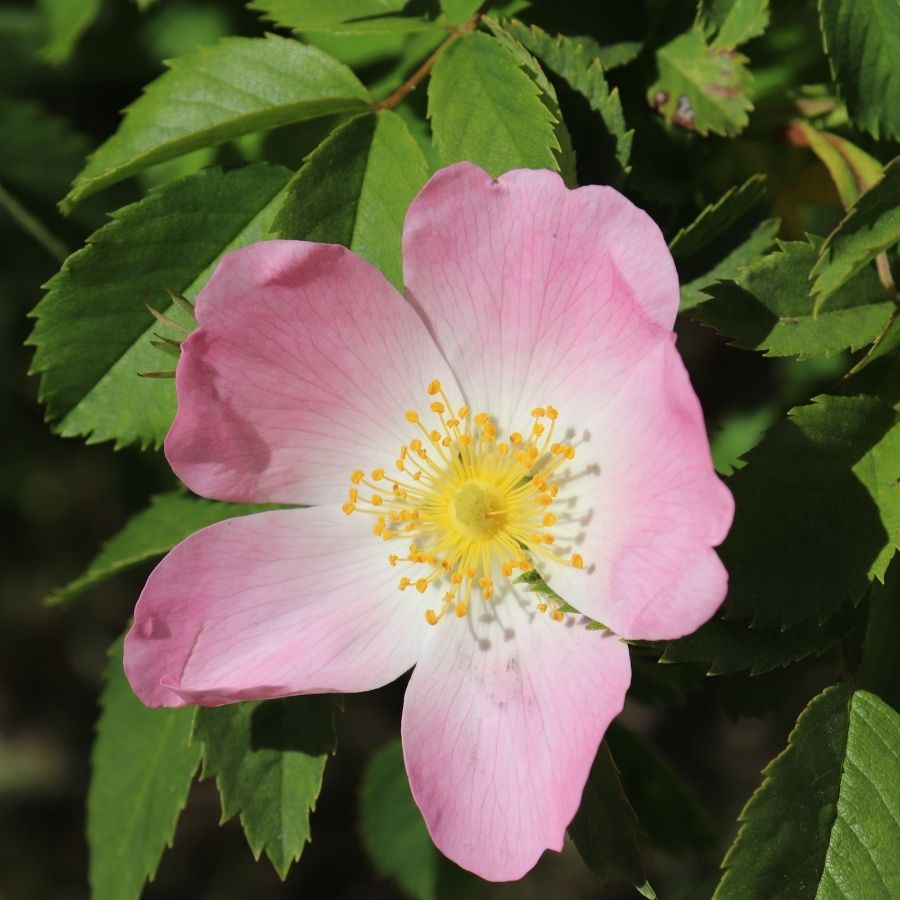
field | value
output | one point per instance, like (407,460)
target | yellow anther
(411,416)
(404,583)
(463,411)
(523,564)
(348,508)
(503,449)
(353,495)
(379,526)
(456,578)
(435,436)
(470,572)
(482,418)
(422,585)
(487,592)
(515,438)
(538,429)
(553,490)
(461,609)
(434,388)
(577,560)
(542,607)
(544,499)
(465,439)
(446,442)
(549,519)
(376,500)
(449,597)
(507,569)
(452,423)
(548,538)
(415,445)
(417,476)
(557,615)
(392,559)
(555,449)
(377,474)
(485,582)
(400,466)
(551,413)
(357,476)
(533,453)
(438,407)
(569,452)
(539,412)
(539,482)
(403,451)
(431,617)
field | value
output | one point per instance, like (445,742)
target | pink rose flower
(524,406)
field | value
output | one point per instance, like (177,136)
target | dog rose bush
(429,398)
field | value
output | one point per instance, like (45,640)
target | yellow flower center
(472,506)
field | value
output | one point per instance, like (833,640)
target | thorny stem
(413,81)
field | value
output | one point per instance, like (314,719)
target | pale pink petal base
(304,363)
(501,723)
(648,508)
(299,601)
(535,294)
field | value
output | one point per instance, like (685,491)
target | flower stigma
(473,507)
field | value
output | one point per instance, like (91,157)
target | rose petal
(299,601)
(527,286)
(300,372)
(646,507)
(502,719)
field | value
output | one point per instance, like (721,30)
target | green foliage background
(755,758)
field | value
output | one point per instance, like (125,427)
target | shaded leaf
(725,645)
(827,813)
(147,535)
(142,769)
(354,189)
(484,108)
(668,811)
(350,16)
(700,87)
(592,112)
(207,97)
(93,332)
(769,307)
(879,669)
(870,228)
(268,759)
(605,829)
(862,40)
(816,510)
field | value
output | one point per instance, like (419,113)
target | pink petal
(502,720)
(304,363)
(529,287)
(299,601)
(649,509)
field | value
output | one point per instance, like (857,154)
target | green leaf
(768,307)
(870,228)
(605,829)
(725,645)
(350,16)
(816,512)
(484,108)
(147,535)
(66,22)
(142,769)
(862,40)
(700,87)
(669,812)
(392,829)
(730,23)
(852,170)
(268,759)
(565,155)
(824,824)
(354,189)
(592,112)
(93,332)
(238,86)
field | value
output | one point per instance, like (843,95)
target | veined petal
(298,601)
(648,510)
(300,372)
(502,719)
(526,285)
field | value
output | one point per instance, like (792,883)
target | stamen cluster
(471,505)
